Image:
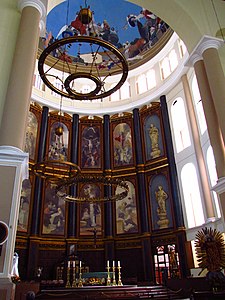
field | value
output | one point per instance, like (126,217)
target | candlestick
(68,285)
(119,275)
(108,282)
(74,276)
(80,282)
(114,275)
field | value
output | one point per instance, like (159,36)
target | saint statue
(154,137)
(161,197)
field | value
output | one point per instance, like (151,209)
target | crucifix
(95,231)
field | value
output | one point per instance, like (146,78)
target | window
(151,81)
(58,85)
(192,198)
(168,64)
(116,95)
(180,126)
(182,48)
(198,106)
(213,177)
(38,81)
(165,68)
(166,262)
(125,91)
(173,60)
(141,84)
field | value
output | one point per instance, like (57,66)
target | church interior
(112,157)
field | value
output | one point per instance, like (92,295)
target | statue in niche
(154,137)
(161,197)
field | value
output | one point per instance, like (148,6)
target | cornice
(206,42)
(220,186)
(40,5)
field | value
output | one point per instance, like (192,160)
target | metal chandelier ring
(117,66)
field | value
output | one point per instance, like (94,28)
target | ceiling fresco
(130,28)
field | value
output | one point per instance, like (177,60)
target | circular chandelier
(92,179)
(78,57)
(55,170)
(65,174)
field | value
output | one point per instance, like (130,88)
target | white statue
(15,271)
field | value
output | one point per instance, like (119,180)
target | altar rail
(108,292)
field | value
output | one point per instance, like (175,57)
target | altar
(95,278)
(125,292)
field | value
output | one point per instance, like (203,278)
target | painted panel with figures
(126,211)
(122,145)
(24,206)
(53,212)
(90,213)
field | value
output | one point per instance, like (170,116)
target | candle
(80,263)
(73,264)
(118,263)
(107,263)
(68,264)
(113,263)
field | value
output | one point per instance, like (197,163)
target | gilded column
(18,95)
(198,150)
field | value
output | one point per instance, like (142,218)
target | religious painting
(131,28)
(160,202)
(126,211)
(122,145)
(153,137)
(31,135)
(90,213)
(24,206)
(58,144)
(53,212)
(90,147)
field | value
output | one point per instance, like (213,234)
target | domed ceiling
(90,46)
(131,28)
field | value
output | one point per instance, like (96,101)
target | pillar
(210,78)
(13,161)
(140,174)
(17,100)
(72,220)
(215,76)
(37,202)
(198,150)
(36,211)
(109,243)
(107,169)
